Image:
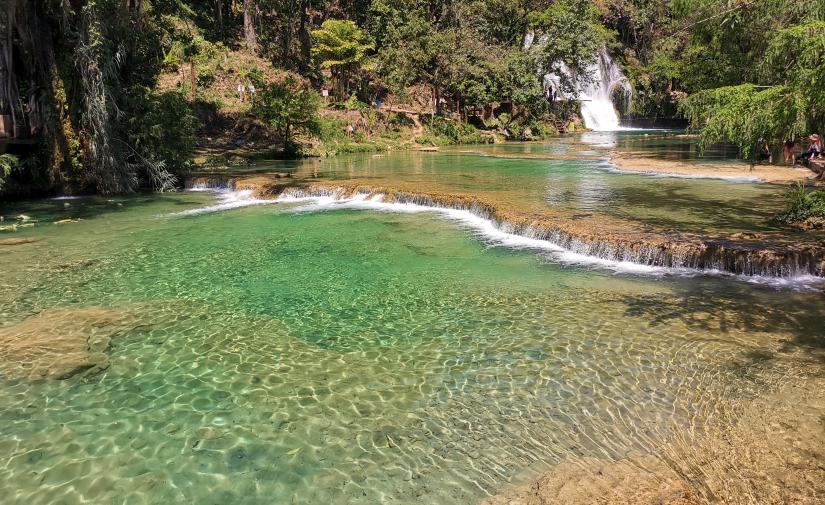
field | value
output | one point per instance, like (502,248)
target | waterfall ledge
(591,236)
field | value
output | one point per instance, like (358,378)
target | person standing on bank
(789,156)
(251,88)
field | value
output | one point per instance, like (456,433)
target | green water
(358,357)
(575,179)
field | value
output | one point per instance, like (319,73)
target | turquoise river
(308,351)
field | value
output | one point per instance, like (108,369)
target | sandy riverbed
(771,453)
(635,162)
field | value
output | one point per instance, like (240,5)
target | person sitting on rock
(814,150)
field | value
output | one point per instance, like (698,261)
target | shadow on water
(731,213)
(673,146)
(741,308)
(86,207)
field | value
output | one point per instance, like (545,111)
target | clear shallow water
(358,357)
(570,176)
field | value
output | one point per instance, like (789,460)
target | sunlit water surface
(348,356)
(571,176)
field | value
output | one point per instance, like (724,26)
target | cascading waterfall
(595,90)
(597,108)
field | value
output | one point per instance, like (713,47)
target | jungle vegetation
(80,77)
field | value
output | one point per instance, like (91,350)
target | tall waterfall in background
(598,111)
(596,93)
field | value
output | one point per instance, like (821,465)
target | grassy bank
(806,208)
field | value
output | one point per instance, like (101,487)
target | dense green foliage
(789,103)
(162,133)
(88,90)
(8,164)
(442,132)
(803,205)
(84,76)
(292,109)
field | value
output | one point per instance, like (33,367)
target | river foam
(493,235)
(227,199)
(561,250)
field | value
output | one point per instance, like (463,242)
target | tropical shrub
(161,134)
(8,164)
(442,131)
(802,205)
(289,107)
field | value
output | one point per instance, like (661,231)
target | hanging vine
(91,108)
(111,176)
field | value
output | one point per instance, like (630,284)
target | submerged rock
(587,481)
(765,450)
(59,343)
(19,241)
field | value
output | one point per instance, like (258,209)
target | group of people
(246,92)
(813,152)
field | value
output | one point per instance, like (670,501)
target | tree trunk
(250,37)
(193,75)
(9,93)
(26,32)
(304,37)
(286,36)
(220,16)
(134,6)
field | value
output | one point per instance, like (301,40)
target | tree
(520,84)
(342,47)
(504,22)
(789,103)
(83,87)
(249,17)
(569,33)
(413,53)
(290,107)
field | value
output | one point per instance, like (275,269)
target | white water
(227,199)
(594,91)
(68,197)
(485,229)
(597,107)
